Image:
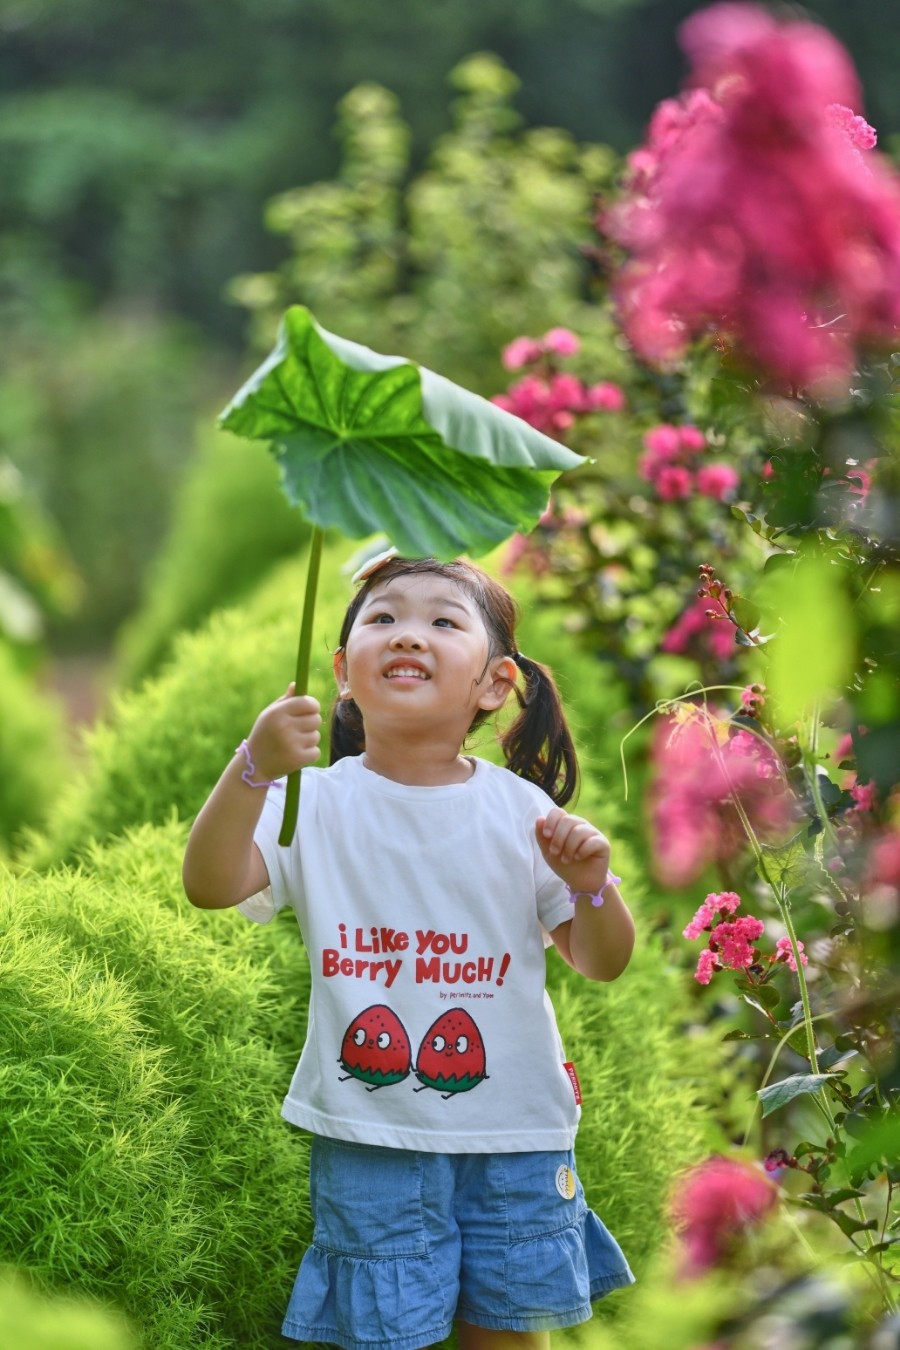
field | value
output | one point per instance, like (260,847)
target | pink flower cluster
(694,625)
(670,463)
(526,351)
(552,405)
(730,943)
(548,400)
(697,774)
(784,952)
(714,1204)
(757,208)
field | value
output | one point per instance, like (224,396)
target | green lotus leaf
(372,443)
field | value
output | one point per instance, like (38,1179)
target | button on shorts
(407,1242)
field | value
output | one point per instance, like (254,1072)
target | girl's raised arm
(599,938)
(222,865)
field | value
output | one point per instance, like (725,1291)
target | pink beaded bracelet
(247,774)
(597,899)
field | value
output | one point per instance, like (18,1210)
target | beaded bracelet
(247,774)
(597,899)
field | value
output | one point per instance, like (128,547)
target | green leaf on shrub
(779,1094)
(746,613)
(371,443)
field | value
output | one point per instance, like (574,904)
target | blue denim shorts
(407,1242)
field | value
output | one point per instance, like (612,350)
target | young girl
(425,883)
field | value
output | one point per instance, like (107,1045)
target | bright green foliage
(29,1320)
(231,524)
(433,266)
(31,749)
(145,1048)
(369,443)
(98,416)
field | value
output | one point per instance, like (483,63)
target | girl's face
(418,648)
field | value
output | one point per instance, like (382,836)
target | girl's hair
(538,745)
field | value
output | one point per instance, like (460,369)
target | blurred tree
(432,266)
(143,139)
(98,415)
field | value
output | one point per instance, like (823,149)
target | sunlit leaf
(372,443)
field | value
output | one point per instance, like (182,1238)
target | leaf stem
(301,678)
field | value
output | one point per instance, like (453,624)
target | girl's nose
(406,639)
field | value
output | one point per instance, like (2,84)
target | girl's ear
(499,683)
(339,666)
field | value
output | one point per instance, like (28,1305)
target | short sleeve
(261,908)
(281,863)
(553,903)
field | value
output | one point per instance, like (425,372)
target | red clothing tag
(573,1079)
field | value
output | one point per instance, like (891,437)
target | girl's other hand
(285,735)
(575,849)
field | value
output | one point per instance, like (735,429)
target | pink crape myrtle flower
(550,404)
(730,942)
(784,952)
(669,463)
(695,632)
(696,773)
(607,397)
(526,351)
(717,903)
(561,342)
(674,483)
(857,129)
(713,1205)
(522,351)
(663,442)
(884,861)
(719,481)
(865,796)
(757,207)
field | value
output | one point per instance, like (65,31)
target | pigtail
(538,746)
(347,734)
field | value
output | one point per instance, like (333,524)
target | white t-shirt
(424,912)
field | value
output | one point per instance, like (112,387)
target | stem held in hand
(301,679)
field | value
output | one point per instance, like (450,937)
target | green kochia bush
(144,1048)
(30,1320)
(31,750)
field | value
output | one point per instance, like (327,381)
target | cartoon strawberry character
(451,1057)
(376,1048)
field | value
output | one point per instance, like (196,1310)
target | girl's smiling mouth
(405,670)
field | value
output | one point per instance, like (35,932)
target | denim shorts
(407,1242)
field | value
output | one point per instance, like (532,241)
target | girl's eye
(382,618)
(444,623)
